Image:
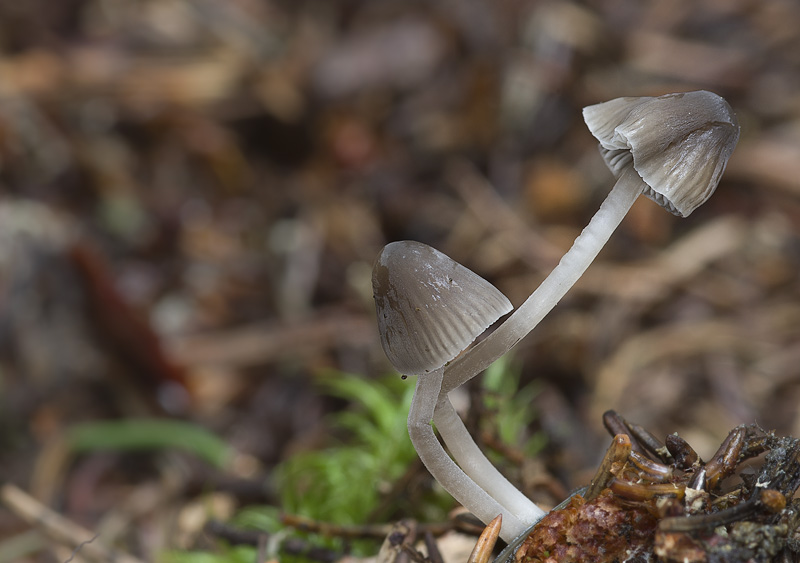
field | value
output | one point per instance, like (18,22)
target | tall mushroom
(429,309)
(672,148)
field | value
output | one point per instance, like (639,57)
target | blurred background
(193,192)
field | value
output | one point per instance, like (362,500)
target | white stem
(444,469)
(430,398)
(475,464)
(549,293)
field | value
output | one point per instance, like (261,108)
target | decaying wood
(640,509)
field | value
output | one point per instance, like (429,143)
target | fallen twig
(377,531)
(292,546)
(60,529)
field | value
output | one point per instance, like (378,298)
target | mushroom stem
(475,464)
(444,469)
(572,265)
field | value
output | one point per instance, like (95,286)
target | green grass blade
(150,434)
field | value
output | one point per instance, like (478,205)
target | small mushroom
(672,148)
(430,308)
(678,143)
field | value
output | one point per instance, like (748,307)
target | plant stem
(444,469)
(572,265)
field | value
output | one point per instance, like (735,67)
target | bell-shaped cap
(678,143)
(429,306)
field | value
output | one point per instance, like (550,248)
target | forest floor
(192,194)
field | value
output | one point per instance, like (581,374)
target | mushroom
(671,148)
(430,308)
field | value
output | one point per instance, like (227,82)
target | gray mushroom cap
(429,306)
(678,143)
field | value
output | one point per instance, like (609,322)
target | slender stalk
(572,265)
(475,464)
(444,469)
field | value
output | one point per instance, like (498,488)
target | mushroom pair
(671,148)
